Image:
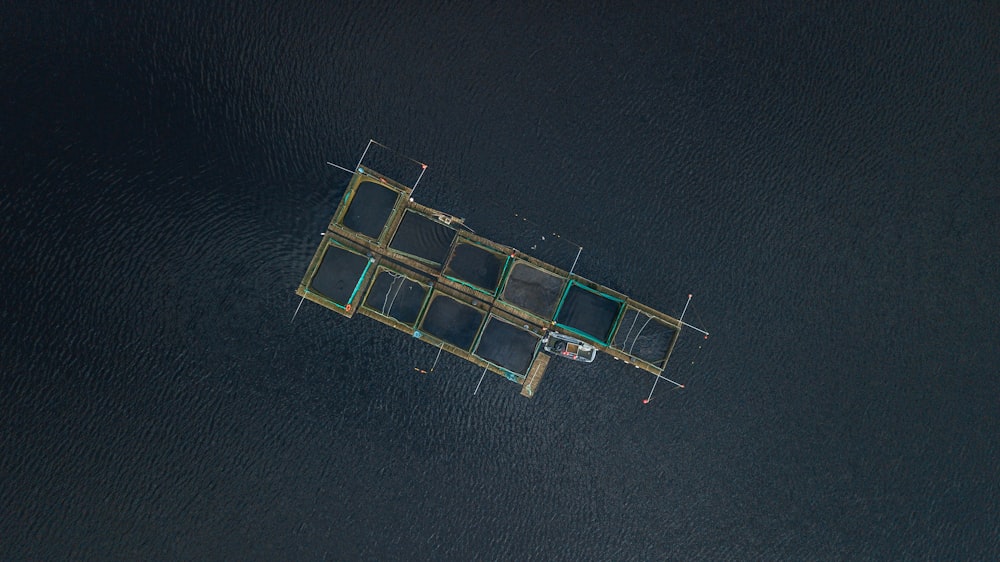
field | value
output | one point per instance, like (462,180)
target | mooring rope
(636,338)
(386,305)
(627,334)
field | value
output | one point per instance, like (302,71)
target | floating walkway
(419,270)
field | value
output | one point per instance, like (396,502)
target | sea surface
(822,177)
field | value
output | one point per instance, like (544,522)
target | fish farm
(420,270)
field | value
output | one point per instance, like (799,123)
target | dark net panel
(589,313)
(644,337)
(370,209)
(423,237)
(396,296)
(339,274)
(507,345)
(477,266)
(533,289)
(452,321)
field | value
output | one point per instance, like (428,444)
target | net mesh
(532,289)
(477,266)
(339,274)
(423,237)
(370,209)
(394,295)
(588,312)
(508,346)
(452,321)
(644,337)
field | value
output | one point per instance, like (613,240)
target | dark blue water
(822,178)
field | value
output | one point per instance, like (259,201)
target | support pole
(363,154)
(695,328)
(423,168)
(339,167)
(480,381)
(683,323)
(297,308)
(658,377)
(572,267)
(441,347)
(683,312)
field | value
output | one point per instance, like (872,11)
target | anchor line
(397,153)
(659,376)
(650,397)
(697,354)
(695,328)
(423,167)
(683,312)
(698,316)
(656,380)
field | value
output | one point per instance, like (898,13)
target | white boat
(569,347)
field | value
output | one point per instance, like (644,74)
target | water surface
(822,178)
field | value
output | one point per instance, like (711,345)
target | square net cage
(396,295)
(385,163)
(423,238)
(452,321)
(533,290)
(370,208)
(507,345)
(340,274)
(588,312)
(645,337)
(476,266)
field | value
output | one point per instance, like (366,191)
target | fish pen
(421,271)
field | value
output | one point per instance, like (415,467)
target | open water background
(823,177)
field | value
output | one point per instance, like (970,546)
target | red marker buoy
(645,400)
